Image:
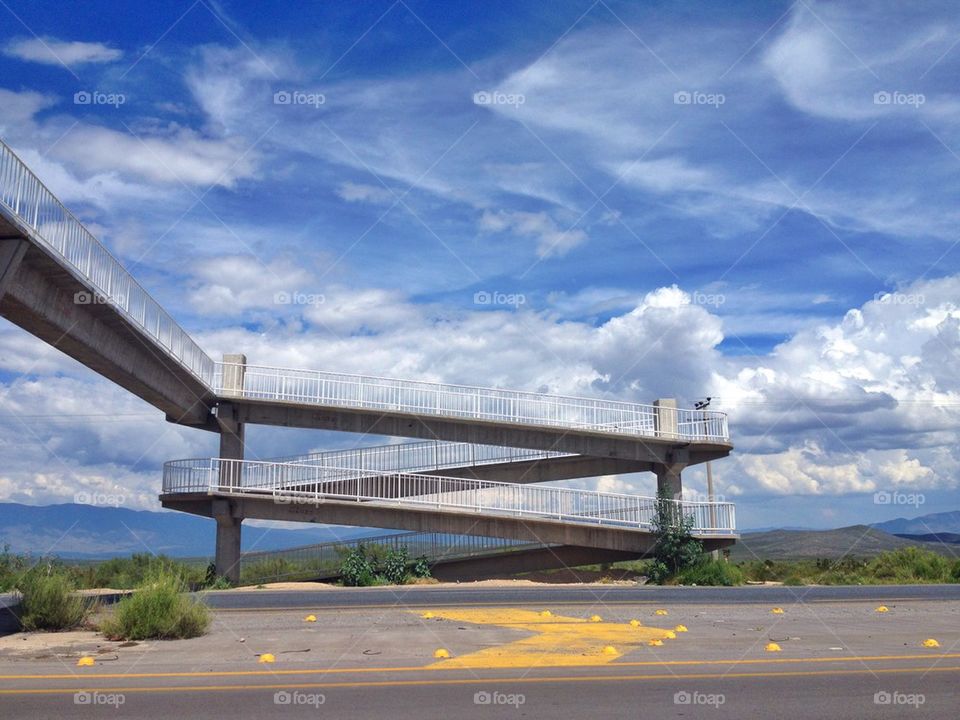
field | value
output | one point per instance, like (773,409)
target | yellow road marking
(417,668)
(556,641)
(672,677)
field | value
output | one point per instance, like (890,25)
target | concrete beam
(552,532)
(398,424)
(503,564)
(42,298)
(12,251)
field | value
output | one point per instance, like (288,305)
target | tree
(676,549)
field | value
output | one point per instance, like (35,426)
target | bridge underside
(392,423)
(593,543)
(43,298)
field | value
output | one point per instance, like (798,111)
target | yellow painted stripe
(417,668)
(473,681)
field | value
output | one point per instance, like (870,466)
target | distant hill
(94,532)
(855,541)
(947,538)
(944,522)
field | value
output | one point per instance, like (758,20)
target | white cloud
(551,240)
(50,51)
(359,192)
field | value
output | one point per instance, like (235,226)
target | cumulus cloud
(51,51)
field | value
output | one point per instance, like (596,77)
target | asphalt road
(467,595)
(370,654)
(913,690)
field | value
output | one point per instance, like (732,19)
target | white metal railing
(32,206)
(420,456)
(318,387)
(413,490)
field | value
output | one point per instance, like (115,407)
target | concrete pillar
(666,417)
(227,557)
(12,251)
(232,431)
(234,370)
(668,480)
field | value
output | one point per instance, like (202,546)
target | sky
(753,202)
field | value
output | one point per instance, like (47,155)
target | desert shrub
(909,565)
(394,566)
(357,570)
(48,600)
(421,567)
(158,609)
(711,572)
(676,549)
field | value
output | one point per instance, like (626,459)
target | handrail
(414,490)
(332,389)
(51,225)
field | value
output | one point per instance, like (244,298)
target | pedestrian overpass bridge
(491,446)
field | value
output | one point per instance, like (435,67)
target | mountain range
(96,532)
(87,532)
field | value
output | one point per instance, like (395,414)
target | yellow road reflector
(441,653)
(931,643)
(655,643)
(670,635)
(427,615)
(596,618)
(610,650)
(310,618)
(680,628)
(267,658)
(546,613)
(660,612)
(635,623)
(882,608)
(86,661)
(777,611)
(773,647)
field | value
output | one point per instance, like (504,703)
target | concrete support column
(668,480)
(227,558)
(12,251)
(232,431)
(666,418)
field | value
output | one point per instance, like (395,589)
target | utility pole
(703,405)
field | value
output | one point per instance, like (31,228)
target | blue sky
(754,201)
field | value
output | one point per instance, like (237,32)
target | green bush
(711,572)
(394,567)
(911,565)
(158,610)
(421,568)
(48,600)
(676,549)
(357,568)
